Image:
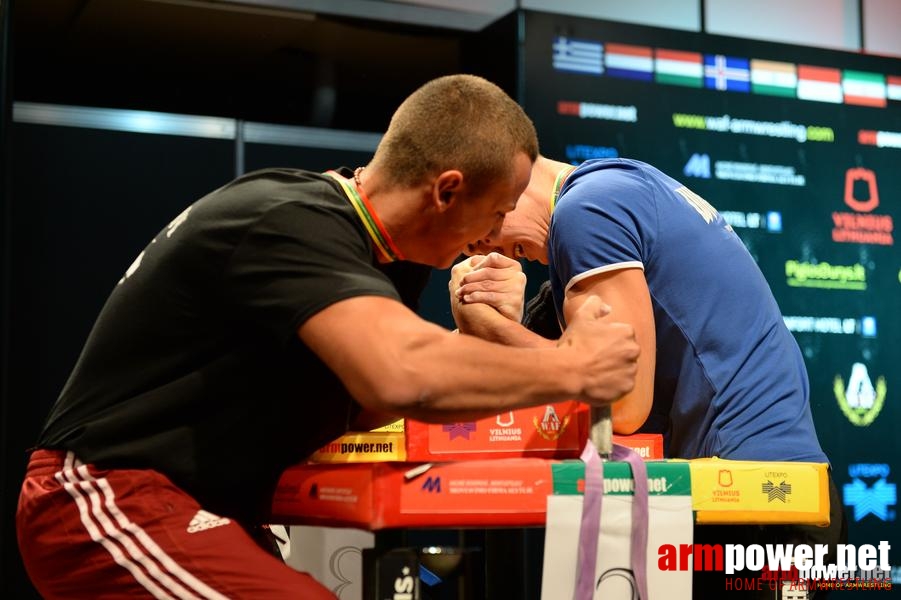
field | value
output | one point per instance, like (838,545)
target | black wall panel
(84,203)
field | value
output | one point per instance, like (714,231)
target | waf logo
(550,427)
(860,226)
(861,401)
(870,492)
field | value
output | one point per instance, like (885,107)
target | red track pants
(89,533)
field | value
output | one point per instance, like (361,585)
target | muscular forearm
(463,378)
(397,364)
(487,323)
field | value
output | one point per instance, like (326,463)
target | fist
(494,280)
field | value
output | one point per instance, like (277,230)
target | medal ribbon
(558,183)
(363,207)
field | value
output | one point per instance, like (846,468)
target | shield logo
(725,478)
(860,198)
(505,419)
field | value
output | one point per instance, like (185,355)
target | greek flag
(578,56)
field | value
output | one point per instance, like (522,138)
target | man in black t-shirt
(285,296)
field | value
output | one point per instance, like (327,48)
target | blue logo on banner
(874,499)
(580,152)
(697,166)
(868,327)
(774,221)
(432,484)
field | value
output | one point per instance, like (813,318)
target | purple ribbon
(591,520)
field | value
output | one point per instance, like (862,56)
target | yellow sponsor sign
(363,447)
(732,491)
(396,426)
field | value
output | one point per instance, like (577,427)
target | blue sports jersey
(730,380)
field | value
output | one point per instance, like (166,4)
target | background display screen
(800,150)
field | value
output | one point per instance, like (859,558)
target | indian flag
(867,89)
(893,87)
(773,78)
(820,84)
(678,68)
(631,62)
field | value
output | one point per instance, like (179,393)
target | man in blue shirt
(719,373)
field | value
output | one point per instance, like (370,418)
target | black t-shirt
(194,367)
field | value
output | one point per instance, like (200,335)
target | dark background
(79,203)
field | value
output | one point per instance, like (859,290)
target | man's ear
(447,189)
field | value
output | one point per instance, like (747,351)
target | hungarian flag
(820,84)
(678,68)
(867,89)
(893,89)
(631,62)
(773,78)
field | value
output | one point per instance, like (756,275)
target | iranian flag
(678,68)
(773,78)
(893,88)
(867,89)
(820,84)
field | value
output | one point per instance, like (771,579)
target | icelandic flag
(727,73)
(578,56)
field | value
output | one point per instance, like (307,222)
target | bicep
(362,340)
(626,292)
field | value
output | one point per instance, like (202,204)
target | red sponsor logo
(568,108)
(861,226)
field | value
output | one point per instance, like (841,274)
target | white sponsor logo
(204,520)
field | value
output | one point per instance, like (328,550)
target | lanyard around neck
(558,183)
(363,207)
